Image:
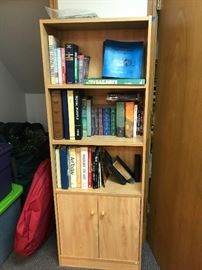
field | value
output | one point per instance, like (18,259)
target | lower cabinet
(99,227)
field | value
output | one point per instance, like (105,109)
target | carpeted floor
(46,259)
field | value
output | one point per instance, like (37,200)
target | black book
(109,163)
(95,168)
(71,51)
(78,114)
(123,169)
(138,167)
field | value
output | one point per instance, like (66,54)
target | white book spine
(59,63)
(135,121)
(84,167)
(58,171)
(72,167)
(51,58)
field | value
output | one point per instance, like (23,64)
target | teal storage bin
(10,209)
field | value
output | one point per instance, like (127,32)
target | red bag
(37,218)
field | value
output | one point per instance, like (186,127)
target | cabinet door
(119,219)
(78,225)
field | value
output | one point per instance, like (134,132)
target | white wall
(108,8)
(12,99)
(36,109)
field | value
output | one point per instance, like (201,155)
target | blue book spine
(88,115)
(65,114)
(70,50)
(64,168)
(106,120)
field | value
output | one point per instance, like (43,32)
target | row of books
(75,116)
(67,64)
(88,167)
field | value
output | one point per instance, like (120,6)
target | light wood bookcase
(102,228)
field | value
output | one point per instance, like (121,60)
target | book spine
(63,65)
(81,67)
(78,167)
(106,117)
(120,119)
(51,58)
(100,120)
(89,167)
(59,65)
(70,95)
(114,81)
(96,121)
(58,172)
(65,114)
(84,167)
(63,168)
(129,119)
(78,114)
(86,66)
(135,121)
(88,115)
(70,50)
(113,121)
(93,121)
(56,102)
(76,68)
(95,168)
(72,167)
(84,117)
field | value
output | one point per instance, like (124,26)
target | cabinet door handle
(102,213)
(92,213)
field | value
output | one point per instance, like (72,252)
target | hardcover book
(70,50)
(123,169)
(120,119)
(65,114)
(64,168)
(56,102)
(129,119)
(84,167)
(122,59)
(116,81)
(72,167)
(70,100)
(78,114)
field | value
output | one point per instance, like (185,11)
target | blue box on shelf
(5,169)
(123,59)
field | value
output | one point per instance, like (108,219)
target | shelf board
(97,23)
(95,86)
(103,141)
(111,188)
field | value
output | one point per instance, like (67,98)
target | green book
(102,81)
(120,119)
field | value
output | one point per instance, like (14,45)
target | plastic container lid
(11,197)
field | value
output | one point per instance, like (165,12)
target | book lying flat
(112,81)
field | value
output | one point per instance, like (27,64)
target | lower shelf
(98,264)
(111,188)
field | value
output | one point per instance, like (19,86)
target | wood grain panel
(119,228)
(175,231)
(78,225)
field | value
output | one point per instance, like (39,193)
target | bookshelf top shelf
(111,188)
(103,141)
(97,23)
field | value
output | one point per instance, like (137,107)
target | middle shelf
(103,141)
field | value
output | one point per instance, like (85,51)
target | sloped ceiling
(20,48)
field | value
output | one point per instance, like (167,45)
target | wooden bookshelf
(113,217)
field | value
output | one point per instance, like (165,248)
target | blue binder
(122,59)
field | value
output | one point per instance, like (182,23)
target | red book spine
(89,167)
(63,65)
